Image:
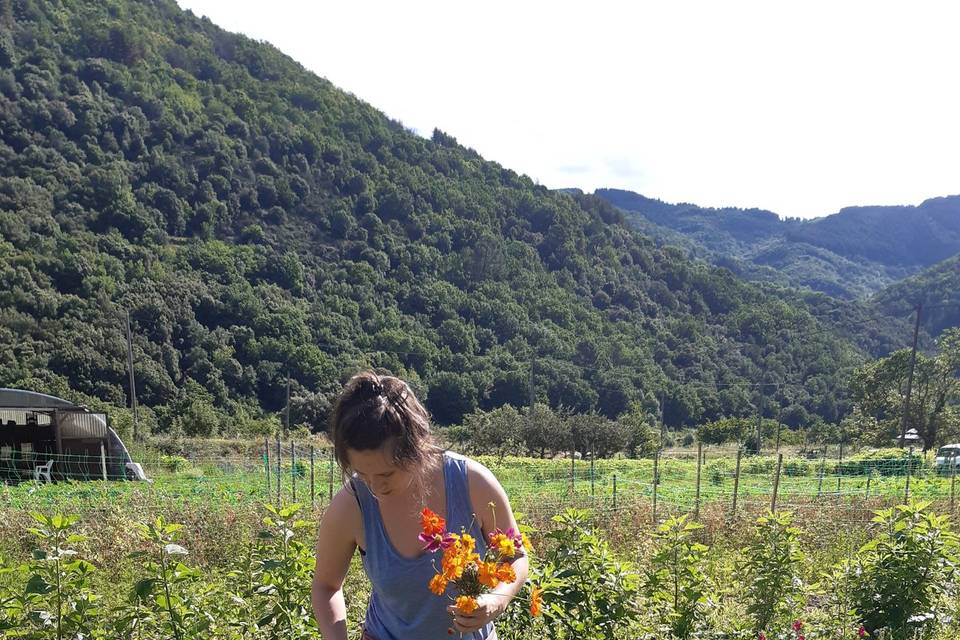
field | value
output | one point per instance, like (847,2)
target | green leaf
(37,584)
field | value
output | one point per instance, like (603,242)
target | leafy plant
(676,580)
(588,593)
(282,575)
(904,572)
(56,597)
(164,592)
(772,569)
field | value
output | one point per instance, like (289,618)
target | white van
(948,455)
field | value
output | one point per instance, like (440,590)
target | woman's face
(379,472)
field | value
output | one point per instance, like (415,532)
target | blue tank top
(401,604)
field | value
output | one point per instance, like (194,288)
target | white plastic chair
(43,471)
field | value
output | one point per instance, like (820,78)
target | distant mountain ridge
(852,253)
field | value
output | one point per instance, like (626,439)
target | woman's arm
(485,490)
(336,542)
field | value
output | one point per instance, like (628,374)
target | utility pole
(759,414)
(913,361)
(133,384)
(532,389)
(663,424)
(287,410)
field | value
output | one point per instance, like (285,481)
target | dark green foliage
(938,288)
(258,223)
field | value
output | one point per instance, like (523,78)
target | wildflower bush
(765,579)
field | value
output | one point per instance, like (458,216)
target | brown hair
(373,409)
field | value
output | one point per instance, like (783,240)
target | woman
(381,438)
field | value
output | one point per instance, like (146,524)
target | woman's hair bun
(369,388)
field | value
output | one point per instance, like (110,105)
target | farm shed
(49,438)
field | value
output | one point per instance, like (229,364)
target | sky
(801,107)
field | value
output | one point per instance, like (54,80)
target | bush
(594,593)
(759,466)
(796,468)
(773,566)
(886,462)
(718,470)
(676,583)
(904,571)
(173,463)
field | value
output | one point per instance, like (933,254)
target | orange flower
(454,562)
(432,523)
(467,604)
(487,574)
(536,601)
(505,573)
(438,585)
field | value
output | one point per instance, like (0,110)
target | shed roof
(20,399)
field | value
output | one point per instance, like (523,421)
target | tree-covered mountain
(849,254)
(257,222)
(936,290)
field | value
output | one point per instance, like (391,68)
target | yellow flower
(468,542)
(526,542)
(506,546)
(467,604)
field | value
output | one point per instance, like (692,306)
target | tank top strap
(369,512)
(457,486)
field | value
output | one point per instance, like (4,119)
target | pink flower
(436,541)
(762,636)
(797,625)
(861,632)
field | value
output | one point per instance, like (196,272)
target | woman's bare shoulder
(484,490)
(342,518)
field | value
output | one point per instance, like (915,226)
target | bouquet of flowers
(463,567)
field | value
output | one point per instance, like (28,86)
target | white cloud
(800,108)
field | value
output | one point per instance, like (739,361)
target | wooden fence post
(869,477)
(593,455)
(313,486)
(279,470)
(823,464)
(266,464)
(696,507)
(776,484)
(614,492)
(906,491)
(656,465)
(953,481)
(293,469)
(103,461)
(736,481)
(839,467)
(330,482)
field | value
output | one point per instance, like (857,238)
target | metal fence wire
(697,482)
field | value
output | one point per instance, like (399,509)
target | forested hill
(936,289)
(849,254)
(256,221)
